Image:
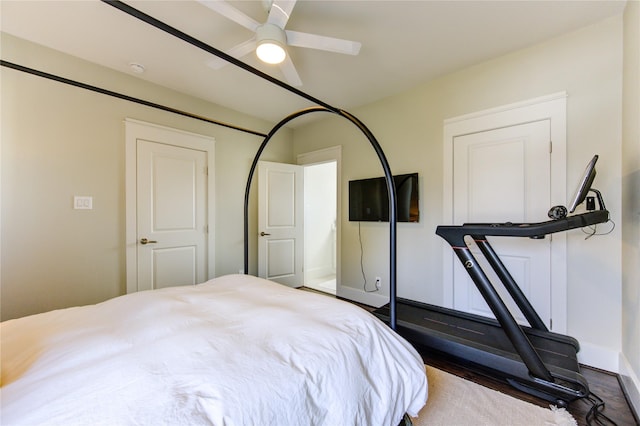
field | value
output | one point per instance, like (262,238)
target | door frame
(325,155)
(553,108)
(134,130)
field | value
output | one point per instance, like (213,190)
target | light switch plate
(82,202)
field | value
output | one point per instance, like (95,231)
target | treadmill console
(560,221)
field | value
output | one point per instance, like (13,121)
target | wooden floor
(602,383)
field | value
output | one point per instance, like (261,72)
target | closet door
(172,201)
(504,175)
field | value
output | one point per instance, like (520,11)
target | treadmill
(530,358)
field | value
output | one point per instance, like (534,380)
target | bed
(236,350)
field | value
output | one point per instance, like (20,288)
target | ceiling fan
(271,39)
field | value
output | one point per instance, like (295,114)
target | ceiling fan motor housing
(270,32)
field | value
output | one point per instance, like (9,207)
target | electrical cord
(364,277)
(594,229)
(595,415)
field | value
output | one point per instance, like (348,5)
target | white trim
(333,153)
(509,107)
(552,108)
(133,129)
(630,383)
(599,357)
(368,298)
(324,155)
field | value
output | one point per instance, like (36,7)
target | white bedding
(237,350)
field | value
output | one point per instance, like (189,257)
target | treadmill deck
(481,342)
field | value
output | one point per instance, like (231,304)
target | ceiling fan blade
(290,73)
(237,52)
(280,12)
(314,41)
(230,12)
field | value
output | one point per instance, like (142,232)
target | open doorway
(320,230)
(322,218)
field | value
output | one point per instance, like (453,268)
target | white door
(169,207)
(503,175)
(280,222)
(171,215)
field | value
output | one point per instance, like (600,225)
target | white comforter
(237,350)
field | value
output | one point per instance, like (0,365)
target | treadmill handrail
(454,234)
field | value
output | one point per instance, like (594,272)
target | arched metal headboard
(390,187)
(323,106)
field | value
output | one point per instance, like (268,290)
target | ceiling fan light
(271,42)
(270,52)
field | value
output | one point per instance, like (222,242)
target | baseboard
(319,272)
(374,299)
(630,385)
(599,357)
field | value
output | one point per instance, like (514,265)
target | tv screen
(369,200)
(585,185)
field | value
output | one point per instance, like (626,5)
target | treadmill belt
(476,331)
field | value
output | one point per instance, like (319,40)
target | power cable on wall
(364,277)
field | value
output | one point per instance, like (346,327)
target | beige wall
(631,202)
(587,64)
(59,141)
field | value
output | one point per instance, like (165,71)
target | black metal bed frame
(321,107)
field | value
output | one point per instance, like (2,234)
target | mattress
(236,350)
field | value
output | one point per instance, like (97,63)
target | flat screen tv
(369,201)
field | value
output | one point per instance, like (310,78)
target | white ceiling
(404,43)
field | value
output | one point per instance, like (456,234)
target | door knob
(262,234)
(144,241)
